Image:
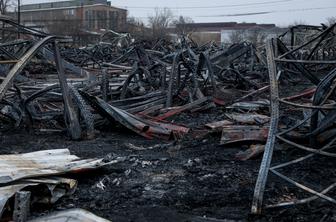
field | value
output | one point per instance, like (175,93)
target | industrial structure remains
(164,129)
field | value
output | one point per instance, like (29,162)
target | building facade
(222,32)
(85,15)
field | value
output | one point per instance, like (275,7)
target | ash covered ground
(189,180)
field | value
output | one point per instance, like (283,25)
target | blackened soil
(192,180)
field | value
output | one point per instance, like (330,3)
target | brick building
(86,15)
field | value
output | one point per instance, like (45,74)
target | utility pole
(19,17)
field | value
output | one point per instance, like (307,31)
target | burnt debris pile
(279,96)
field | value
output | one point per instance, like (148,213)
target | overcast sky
(280,12)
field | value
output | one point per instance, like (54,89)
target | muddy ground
(192,180)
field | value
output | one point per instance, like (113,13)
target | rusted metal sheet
(305,93)
(219,125)
(177,110)
(242,133)
(143,127)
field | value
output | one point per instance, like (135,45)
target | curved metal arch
(18,67)
(269,147)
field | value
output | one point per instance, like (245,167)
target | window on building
(70,12)
(104,23)
(101,18)
(86,19)
(92,22)
(95,19)
(113,20)
(117,20)
(109,19)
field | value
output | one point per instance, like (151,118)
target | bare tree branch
(5,6)
(182,26)
(160,21)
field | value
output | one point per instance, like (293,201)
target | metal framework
(321,120)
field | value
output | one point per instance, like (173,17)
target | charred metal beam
(267,158)
(70,116)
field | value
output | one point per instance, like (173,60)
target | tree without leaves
(134,21)
(5,5)
(182,26)
(256,36)
(137,29)
(298,22)
(331,20)
(159,22)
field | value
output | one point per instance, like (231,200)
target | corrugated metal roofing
(43,163)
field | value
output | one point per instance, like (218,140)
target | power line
(267,12)
(70,20)
(210,7)
(218,15)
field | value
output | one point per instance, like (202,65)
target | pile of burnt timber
(49,85)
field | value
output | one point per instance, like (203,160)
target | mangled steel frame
(278,57)
(71,118)
(193,68)
(147,83)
